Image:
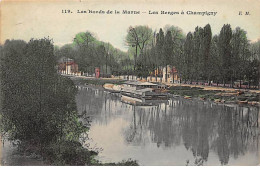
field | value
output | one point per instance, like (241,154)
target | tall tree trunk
(156,72)
(240,81)
(135,56)
(249,83)
(106,65)
(172,77)
(231,81)
(166,74)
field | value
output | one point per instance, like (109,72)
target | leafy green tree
(37,105)
(168,51)
(206,45)
(138,37)
(159,49)
(186,67)
(197,53)
(178,41)
(84,38)
(224,45)
(215,64)
(255,62)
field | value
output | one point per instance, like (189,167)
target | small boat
(217,100)
(112,88)
(254,103)
(187,97)
(202,98)
(141,101)
(243,102)
(240,92)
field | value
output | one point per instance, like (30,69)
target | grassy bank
(244,97)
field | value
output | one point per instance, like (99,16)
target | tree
(138,37)
(255,62)
(159,49)
(178,39)
(186,67)
(240,54)
(84,38)
(197,53)
(168,51)
(207,36)
(38,105)
(224,47)
(215,65)
(89,53)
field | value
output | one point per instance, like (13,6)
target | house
(97,72)
(172,74)
(68,66)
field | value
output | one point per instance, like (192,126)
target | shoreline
(168,84)
(242,97)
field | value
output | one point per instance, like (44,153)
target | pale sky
(26,20)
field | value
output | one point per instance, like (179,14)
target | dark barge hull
(141,101)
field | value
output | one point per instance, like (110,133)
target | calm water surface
(180,132)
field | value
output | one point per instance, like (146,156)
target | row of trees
(198,56)
(88,52)
(223,58)
(156,50)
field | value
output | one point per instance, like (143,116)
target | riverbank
(216,94)
(212,87)
(102,81)
(11,155)
(219,96)
(79,80)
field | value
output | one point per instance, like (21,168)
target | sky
(37,19)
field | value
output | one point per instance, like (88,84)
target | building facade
(171,74)
(68,66)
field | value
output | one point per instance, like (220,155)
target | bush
(68,153)
(128,162)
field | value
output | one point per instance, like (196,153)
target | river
(179,132)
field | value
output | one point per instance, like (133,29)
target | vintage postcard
(128,83)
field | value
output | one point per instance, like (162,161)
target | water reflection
(180,132)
